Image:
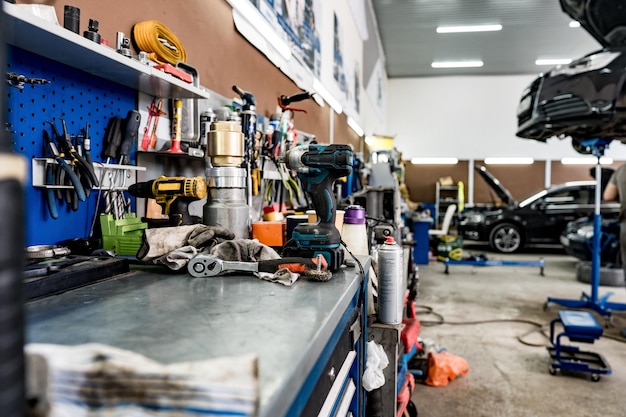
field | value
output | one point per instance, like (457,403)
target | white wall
(470,117)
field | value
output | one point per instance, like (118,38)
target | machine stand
(591,301)
(578,326)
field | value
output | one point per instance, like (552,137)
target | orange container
(269,233)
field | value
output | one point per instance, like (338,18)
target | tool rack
(578,326)
(484,262)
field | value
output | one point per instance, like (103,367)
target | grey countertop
(175,318)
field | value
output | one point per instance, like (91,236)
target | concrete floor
(508,378)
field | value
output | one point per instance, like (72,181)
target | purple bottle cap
(354,215)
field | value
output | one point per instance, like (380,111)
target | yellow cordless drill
(173,194)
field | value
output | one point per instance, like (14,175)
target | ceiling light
(457,64)
(355,126)
(574,24)
(586,161)
(328,98)
(509,161)
(434,161)
(461,29)
(553,61)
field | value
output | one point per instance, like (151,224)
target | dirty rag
(94,380)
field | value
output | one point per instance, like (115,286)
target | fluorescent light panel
(587,161)
(355,126)
(553,61)
(509,161)
(328,98)
(463,29)
(434,161)
(457,64)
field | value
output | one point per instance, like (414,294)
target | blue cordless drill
(318,166)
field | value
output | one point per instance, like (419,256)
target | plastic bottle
(354,232)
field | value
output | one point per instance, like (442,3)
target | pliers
(85,169)
(51,180)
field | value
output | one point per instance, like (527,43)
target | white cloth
(95,380)
(377,360)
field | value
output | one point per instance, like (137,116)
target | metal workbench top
(175,318)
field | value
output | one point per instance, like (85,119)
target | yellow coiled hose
(159,42)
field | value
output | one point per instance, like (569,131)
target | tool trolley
(578,326)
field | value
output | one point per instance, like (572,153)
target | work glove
(244,250)
(159,242)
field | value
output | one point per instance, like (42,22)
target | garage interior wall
(221,55)
(473,118)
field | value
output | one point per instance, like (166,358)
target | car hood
(605,20)
(503,194)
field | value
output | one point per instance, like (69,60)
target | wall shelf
(34,34)
(112,182)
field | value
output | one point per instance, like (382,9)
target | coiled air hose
(159,42)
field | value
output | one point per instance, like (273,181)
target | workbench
(301,334)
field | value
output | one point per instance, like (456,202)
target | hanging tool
(204,265)
(248,127)
(177,125)
(317,167)
(18,80)
(52,179)
(149,132)
(157,116)
(79,162)
(173,194)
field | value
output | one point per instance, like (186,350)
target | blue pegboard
(78,98)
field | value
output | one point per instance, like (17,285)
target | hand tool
(18,80)
(173,194)
(153,113)
(177,120)
(66,169)
(204,265)
(157,116)
(317,167)
(68,148)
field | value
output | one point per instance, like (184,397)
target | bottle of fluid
(354,231)
(390,291)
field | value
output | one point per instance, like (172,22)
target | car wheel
(506,238)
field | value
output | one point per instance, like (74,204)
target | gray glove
(208,236)
(245,250)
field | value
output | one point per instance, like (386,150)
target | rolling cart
(578,326)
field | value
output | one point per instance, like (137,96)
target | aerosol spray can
(390,291)
(206,118)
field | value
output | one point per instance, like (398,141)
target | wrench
(203,265)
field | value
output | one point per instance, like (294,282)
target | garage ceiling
(531,29)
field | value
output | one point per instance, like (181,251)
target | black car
(584,99)
(538,218)
(577,239)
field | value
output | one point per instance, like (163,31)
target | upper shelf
(34,34)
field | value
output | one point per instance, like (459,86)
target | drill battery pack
(334,256)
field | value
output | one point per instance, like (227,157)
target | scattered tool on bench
(203,265)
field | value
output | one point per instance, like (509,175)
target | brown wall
(521,180)
(221,55)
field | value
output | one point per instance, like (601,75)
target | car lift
(484,262)
(600,305)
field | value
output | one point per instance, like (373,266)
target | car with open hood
(586,98)
(539,218)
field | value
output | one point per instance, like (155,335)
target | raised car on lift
(585,99)
(536,219)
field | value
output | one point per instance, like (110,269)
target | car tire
(610,277)
(506,238)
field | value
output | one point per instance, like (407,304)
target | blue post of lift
(593,302)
